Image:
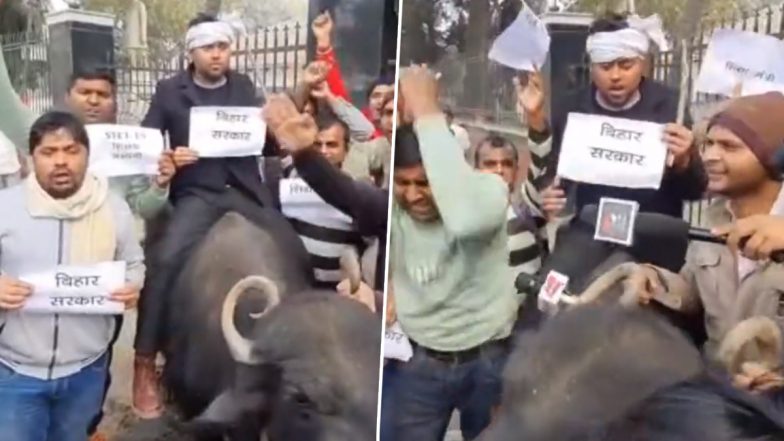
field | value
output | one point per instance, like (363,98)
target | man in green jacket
(454,290)
(92,97)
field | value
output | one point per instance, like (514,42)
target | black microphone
(528,284)
(703,235)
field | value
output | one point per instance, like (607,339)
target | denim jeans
(387,422)
(427,391)
(54,410)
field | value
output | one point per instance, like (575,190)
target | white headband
(631,42)
(209,33)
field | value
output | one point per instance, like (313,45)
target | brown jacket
(711,273)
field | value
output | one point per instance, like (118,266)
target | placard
(120,150)
(299,201)
(549,297)
(612,151)
(223,132)
(759,87)
(524,44)
(397,346)
(735,56)
(76,289)
(615,221)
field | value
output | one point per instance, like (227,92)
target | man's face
(332,144)
(377,97)
(498,160)
(60,164)
(412,192)
(92,101)
(387,115)
(212,62)
(617,81)
(733,169)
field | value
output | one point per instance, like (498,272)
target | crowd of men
(54,367)
(458,238)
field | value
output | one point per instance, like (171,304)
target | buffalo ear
(229,409)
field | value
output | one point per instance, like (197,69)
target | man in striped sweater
(525,228)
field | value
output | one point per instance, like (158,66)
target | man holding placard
(211,116)
(92,97)
(71,260)
(619,48)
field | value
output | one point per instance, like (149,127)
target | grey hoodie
(51,346)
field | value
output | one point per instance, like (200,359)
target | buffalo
(253,350)
(607,373)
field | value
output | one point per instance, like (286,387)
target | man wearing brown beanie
(741,293)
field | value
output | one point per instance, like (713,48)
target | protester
(374,157)
(527,234)
(365,204)
(618,51)
(454,293)
(54,365)
(732,286)
(203,189)
(92,97)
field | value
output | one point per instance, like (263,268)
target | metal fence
(272,57)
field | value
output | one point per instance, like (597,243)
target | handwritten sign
(396,344)
(222,132)
(735,56)
(615,220)
(759,87)
(552,290)
(299,201)
(120,150)
(76,289)
(612,151)
(524,44)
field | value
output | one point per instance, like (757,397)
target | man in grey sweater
(53,362)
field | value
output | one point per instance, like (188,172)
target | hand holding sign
(531,100)
(553,199)
(13,293)
(128,295)
(184,156)
(680,143)
(166,169)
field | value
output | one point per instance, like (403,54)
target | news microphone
(703,235)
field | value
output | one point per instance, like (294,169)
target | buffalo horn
(239,346)
(757,339)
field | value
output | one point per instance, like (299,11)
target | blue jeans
(54,410)
(387,421)
(427,391)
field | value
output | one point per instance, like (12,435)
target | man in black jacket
(204,188)
(619,51)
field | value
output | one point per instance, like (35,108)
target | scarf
(631,42)
(93,237)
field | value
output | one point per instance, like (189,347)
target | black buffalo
(607,373)
(253,350)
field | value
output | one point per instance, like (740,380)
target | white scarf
(631,42)
(209,33)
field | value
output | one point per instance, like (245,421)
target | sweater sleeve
(472,204)
(128,248)
(363,202)
(541,149)
(334,76)
(361,129)
(145,198)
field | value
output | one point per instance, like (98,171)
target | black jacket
(658,104)
(366,204)
(170,113)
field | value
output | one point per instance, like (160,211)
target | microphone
(703,235)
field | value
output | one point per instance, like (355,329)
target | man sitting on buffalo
(203,189)
(454,293)
(53,366)
(618,48)
(738,287)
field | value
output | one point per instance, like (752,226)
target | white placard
(735,56)
(549,297)
(759,87)
(524,44)
(299,201)
(396,344)
(121,150)
(76,289)
(223,132)
(612,151)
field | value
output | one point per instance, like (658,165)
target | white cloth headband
(631,42)
(209,33)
